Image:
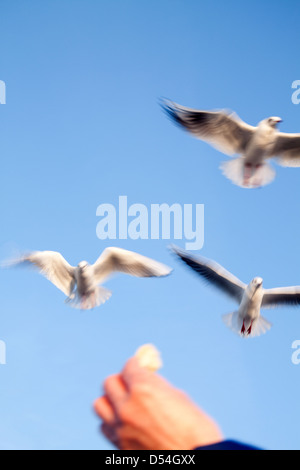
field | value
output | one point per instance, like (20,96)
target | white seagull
(247,320)
(81,284)
(229,134)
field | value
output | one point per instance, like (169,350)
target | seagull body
(229,134)
(81,284)
(247,320)
(249,310)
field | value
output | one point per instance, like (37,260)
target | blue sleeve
(228,445)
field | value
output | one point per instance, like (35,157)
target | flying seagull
(247,320)
(81,284)
(229,134)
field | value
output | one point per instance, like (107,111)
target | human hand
(142,411)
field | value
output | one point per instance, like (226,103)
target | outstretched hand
(142,411)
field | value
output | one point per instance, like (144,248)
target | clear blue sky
(82,126)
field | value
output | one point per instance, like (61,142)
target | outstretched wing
(226,132)
(287,148)
(215,274)
(281,296)
(115,260)
(53,266)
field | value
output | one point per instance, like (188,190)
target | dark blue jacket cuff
(228,445)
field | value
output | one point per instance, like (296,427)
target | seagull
(81,284)
(247,320)
(229,134)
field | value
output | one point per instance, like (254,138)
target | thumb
(133,373)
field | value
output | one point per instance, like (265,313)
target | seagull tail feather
(259,176)
(235,323)
(261,326)
(92,300)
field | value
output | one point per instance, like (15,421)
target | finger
(133,373)
(105,411)
(115,391)
(110,434)
(123,438)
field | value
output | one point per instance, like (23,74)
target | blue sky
(81,127)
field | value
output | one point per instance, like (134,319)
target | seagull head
(83,265)
(274,121)
(257,283)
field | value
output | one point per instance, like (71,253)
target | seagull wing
(287,149)
(215,274)
(224,131)
(281,296)
(53,266)
(115,260)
